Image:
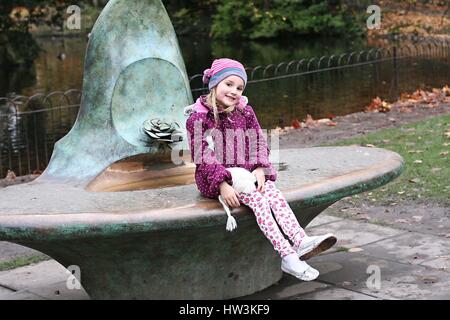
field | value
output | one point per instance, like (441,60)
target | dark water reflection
(28,139)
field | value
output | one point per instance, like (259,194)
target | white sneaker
(311,246)
(292,265)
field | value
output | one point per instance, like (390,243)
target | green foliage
(269,19)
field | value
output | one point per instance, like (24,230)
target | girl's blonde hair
(211,101)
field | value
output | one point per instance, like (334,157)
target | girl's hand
(229,195)
(260,178)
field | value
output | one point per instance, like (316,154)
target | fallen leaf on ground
(310,121)
(362,216)
(401,221)
(332,124)
(370,145)
(444,153)
(446,90)
(10,175)
(418,161)
(429,279)
(417,218)
(415,180)
(324,120)
(355,250)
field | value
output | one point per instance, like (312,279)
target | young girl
(223,110)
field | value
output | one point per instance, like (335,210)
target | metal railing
(30,126)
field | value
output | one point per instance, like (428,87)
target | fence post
(394,86)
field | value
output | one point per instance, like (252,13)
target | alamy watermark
(74,279)
(73,21)
(374,20)
(374,280)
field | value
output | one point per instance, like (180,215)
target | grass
(424,146)
(20,262)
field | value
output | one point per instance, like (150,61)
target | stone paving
(368,262)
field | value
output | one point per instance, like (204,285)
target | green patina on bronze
(121,229)
(133,70)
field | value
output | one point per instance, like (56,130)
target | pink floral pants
(261,204)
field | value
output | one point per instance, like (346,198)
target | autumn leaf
(352,250)
(10,175)
(296,124)
(310,121)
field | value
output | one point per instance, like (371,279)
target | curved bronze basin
(142,172)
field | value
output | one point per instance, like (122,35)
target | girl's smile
(229,91)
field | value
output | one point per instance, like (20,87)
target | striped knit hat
(222,68)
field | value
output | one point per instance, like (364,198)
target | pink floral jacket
(210,147)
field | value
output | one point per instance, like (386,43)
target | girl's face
(229,91)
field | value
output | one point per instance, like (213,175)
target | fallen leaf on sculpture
(332,124)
